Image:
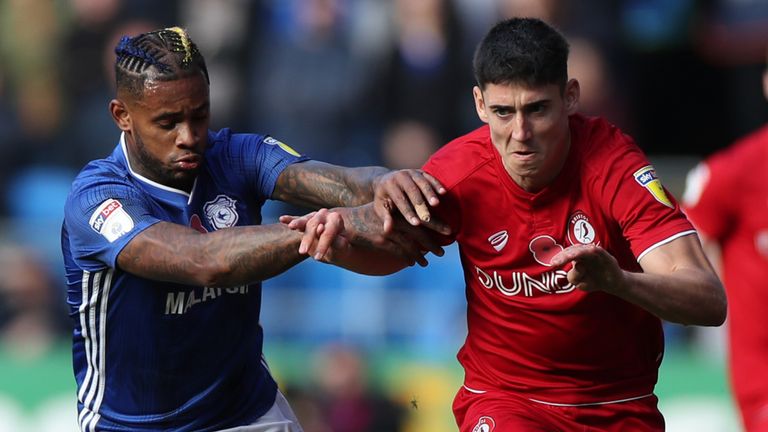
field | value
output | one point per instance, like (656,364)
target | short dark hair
(522,50)
(162,55)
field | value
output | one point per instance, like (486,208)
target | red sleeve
(706,199)
(647,214)
(449,209)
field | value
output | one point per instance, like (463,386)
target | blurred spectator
(222,32)
(29,313)
(665,74)
(306,86)
(730,35)
(424,77)
(93,30)
(599,95)
(341,399)
(409,144)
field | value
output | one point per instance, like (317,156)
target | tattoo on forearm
(228,257)
(322,185)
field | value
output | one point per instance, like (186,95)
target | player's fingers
(417,200)
(572,253)
(427,187)
(423,240)
(407,249)
(403,204)
(437,225)
(309,238)
(436,185)
(327,233)
(383,209)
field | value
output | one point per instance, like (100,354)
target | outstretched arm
(677,283)
(227,257)
(314,184)
(356,241)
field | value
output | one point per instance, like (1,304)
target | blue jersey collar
(153,186)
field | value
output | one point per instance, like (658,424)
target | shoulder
(461,157)
(747,153)
(97,181)
(597,139)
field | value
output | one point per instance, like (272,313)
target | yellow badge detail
(282,145)
(288,149)
(647,178)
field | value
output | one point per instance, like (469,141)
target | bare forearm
(316,184)
(371,262)
(223,258)
(687,296)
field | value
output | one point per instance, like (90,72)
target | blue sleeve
(259,159)
(101,217)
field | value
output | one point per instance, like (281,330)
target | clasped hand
(591,268)
(329,234)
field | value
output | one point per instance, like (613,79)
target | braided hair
(162,55)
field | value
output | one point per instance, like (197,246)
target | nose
(186,136)
(521,128)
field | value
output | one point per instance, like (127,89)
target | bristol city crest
(221,212)
(580,230)
(484,424)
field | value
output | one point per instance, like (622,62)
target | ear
(120,115)
(765,83)
(571,96)
(480,104)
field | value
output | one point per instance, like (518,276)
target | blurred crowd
(353,82)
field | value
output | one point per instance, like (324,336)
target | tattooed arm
(364,248)
(223,258)
(314,184)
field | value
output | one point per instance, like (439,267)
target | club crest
(221,212)
(484,424)
(580,230)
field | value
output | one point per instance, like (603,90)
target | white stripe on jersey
(89,333)
(98,284)
(591,403)
(665,241)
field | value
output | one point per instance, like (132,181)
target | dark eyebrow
(538,102)
(171,115)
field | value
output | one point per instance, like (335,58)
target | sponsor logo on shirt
(485,424)
(282,145)
(499,240)
(647,178)
(580,230)
(221,212)
(179,302)
(111,220)
(521,283)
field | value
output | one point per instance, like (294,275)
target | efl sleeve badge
(647,178)
(111,220)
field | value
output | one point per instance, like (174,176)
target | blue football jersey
(152,355)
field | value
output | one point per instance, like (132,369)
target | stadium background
(353,82)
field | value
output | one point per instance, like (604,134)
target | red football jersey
(727,200)
(529,330)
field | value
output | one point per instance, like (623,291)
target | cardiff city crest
(221,212)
